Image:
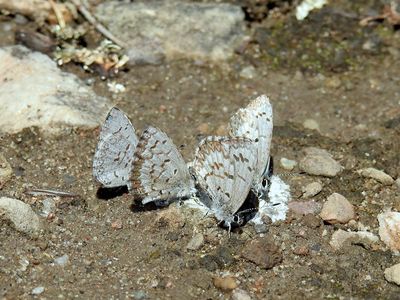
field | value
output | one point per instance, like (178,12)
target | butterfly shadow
(106,194)
(137,206)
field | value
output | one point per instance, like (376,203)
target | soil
(327,68)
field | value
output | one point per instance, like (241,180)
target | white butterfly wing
(112,162)
(255,122)
(159,171)
(224,168)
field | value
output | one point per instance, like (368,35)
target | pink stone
(337,209)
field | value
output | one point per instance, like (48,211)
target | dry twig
(100,28)
(49,192)
(58,14)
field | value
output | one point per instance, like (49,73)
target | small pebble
(333,82)
(288,164)
(319,162)
(248,72)
(90,81)
(389,229)
(139,295)
(37,290)
(6,171)
(239,294)
(196,242)
(62,260)
(378,175)
(20,19)
(24,263)
(115,87)
(263,252)
(312,189)
(301,250)
(365,238)
(392,274)
(311,221)
(227,283)
(311,124)
(398,183)
(337,209)
(49,206)
(117,224)
(162,108)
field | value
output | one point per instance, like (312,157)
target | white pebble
(20,214)
(37,290)
(311,124)
(248,72)
(288,164)
(62,260)
(239,294)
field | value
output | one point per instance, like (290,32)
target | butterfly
(255,122)
(159,171)
(224,168)
(112,163)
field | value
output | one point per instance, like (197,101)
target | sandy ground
(146,256)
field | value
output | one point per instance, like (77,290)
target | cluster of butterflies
(224,172)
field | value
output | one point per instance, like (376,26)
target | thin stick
(100,28)
(59,16)
(49,192)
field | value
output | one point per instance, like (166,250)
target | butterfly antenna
(291,174)
(246,210)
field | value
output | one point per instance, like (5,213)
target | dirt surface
(117,250)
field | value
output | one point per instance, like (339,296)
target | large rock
(35,92)
(389,229)
(20,215)
(154,30)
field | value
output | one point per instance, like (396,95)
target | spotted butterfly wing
(224,168)
(159,171)
(255,123)
(112,162)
